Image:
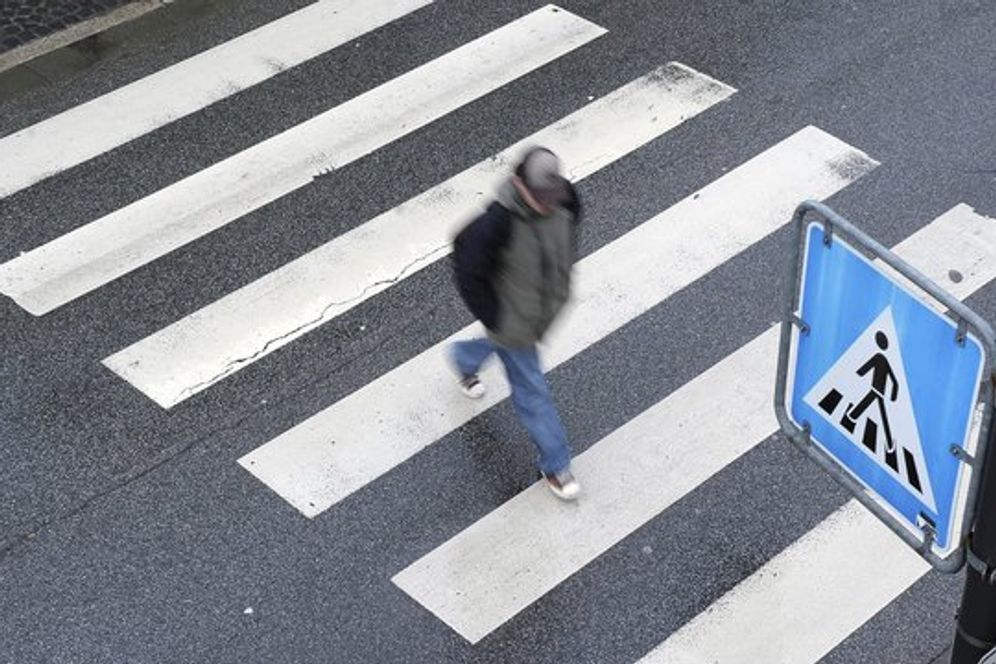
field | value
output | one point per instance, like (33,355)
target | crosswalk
(614,285)
(55,144)
(228,335)
(47,277)
(513,556)
(489,571)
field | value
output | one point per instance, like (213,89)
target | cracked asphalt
(280,340)
(130,534)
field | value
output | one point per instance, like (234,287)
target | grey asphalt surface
(129,534)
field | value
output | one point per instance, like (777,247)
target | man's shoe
(472,387)
(563,485)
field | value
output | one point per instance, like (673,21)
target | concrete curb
(943,658)
(75,33)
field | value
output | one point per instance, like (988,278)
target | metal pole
(975,635)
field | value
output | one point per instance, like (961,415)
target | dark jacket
(513,266)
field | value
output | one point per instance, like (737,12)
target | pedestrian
(513,270)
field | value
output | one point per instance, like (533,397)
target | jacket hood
(508,197)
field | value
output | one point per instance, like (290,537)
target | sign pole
(975,635)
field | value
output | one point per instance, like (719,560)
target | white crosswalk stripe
(56,144)
(805,600)
(503,563)
(481,578)
(614,285)
(90,256)
(245,326)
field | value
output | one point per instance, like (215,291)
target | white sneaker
(472,387)
(563,485)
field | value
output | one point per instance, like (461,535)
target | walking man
(513,270)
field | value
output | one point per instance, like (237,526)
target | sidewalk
(97,29)
(29,28)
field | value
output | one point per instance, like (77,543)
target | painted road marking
(85,131)
(786,614)
(85,259)
(230,334)
(342,448)
(485,575)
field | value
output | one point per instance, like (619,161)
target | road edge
(77,32)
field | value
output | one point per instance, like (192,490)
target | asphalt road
(130,534)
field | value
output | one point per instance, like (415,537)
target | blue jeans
(530,396)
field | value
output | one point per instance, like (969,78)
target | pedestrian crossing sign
(878,417)
(887,385)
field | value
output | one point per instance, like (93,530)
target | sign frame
(963,320)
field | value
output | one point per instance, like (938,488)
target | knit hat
(540,172)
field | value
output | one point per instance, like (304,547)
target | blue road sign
(885,386)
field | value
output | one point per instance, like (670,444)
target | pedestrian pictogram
(866,395)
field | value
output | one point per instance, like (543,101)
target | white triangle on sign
(866,397)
